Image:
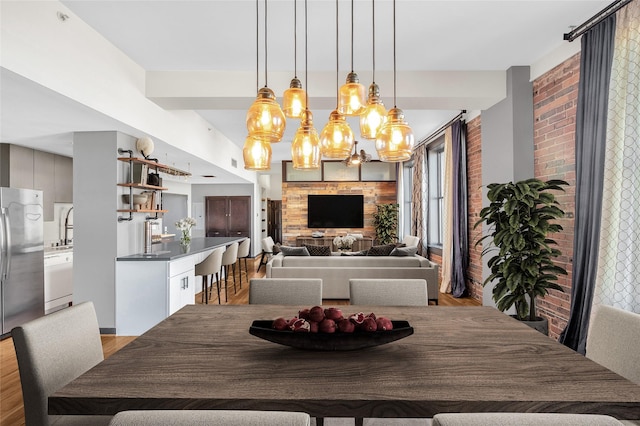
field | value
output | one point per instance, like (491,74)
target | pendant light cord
(373,18)
(337,61)
(257,47)
(265,44)
(306,63)
(394,54)
(295,38)
(352,35)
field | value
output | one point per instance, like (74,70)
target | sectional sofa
(336,270)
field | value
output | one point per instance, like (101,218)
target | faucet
(67,227)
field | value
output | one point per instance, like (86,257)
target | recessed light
(208,176)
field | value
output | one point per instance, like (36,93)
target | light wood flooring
(11,408)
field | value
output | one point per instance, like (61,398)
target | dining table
(458,359)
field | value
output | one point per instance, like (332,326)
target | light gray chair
(267,251)
(285,291)
(522,419)
(209,267)
(411,241)
(52,351)
(614,341)
(243,253)
(229,258)
(210,418)
(388,292)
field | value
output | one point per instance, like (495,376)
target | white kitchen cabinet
(148,291)
(181,283)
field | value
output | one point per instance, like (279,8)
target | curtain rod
(595,19)
(442,128)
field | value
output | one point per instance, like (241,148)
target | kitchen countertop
(173,250)
(51,251)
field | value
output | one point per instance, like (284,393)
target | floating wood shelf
(141,211)
(163,168)
(137,185)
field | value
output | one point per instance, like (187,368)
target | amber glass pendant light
(374,113)
(395,139)
(294,100)
(256,154)
(351,97)
(336,138)
(305,148)
(265,119)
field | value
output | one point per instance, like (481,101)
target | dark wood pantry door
(228,216)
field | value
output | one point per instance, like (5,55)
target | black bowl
(330,341)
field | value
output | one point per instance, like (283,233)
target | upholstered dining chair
(243,253)
(210,418)
(388,292)
(285,291)
(613,341)
(523,419)
(267,251)
(209,267)
(52,351)
(229,258)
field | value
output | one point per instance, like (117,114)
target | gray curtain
(591,125)
(460,260)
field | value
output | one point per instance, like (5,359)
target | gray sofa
(336,271)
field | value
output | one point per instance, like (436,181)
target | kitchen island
(152,286)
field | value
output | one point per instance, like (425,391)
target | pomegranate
(333,313)
(301,325)
(369,324)
(346,326)
(327,326)
(313,326)
(357,318)
(316,314)
(280,324)
(304,314)
(384,324)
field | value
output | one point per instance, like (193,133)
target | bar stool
(209,266)
(267,250)
(229,258)
(243,253)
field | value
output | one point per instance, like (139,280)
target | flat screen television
(335,211)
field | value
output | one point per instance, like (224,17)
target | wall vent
(234,163)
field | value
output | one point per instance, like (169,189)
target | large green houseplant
(519,219)
(385,221)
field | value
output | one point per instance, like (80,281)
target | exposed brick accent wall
(294,205)
(474,205)
(555,96)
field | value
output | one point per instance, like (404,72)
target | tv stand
(364,244)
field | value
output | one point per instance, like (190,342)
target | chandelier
(357,158)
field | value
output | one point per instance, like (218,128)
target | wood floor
(11,408)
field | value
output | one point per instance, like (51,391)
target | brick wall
(294,205)
(474,205)
(555,96)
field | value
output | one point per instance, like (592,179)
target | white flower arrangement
(185,224)
(344,243)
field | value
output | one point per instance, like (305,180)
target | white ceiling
(220,35)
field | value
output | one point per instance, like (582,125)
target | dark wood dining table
(459,359)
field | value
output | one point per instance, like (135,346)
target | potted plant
(385,221)
(519,217)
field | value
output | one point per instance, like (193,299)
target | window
(435,161)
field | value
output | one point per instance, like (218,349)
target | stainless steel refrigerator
(21,257)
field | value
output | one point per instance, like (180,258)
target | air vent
(234,163)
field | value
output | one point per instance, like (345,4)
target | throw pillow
(294,251)
(381,250)
(318,250)
(404,251)
(354,253)
(276,248)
